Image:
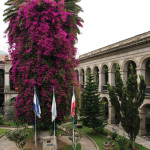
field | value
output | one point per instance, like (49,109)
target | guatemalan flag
(54,111)
(73,104)
(36,105)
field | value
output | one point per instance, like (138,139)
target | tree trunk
(133,146)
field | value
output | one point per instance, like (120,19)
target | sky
(105,22)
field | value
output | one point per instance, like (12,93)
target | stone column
(102,80)
(111,78)
(111,117)
(140,71)
(6,82)
(124,76)
(142,130)
(85,78)
(79,77)
(100,83)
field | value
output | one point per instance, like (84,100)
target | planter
(43,134)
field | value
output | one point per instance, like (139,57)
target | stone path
(5,144)
(86,143)
(139,140)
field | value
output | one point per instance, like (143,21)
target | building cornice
(119,47)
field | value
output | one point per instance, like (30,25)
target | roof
(124,44)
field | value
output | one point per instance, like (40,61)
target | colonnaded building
(101,62)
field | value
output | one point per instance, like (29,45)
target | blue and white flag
(36,105)
(54,111)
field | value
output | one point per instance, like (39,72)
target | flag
(36,105)
(54,111)
(73,104)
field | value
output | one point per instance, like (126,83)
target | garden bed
(100,138)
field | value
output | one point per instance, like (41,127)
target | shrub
(1,119)
(78,146)
(19,137)
(114,134)
(123,143)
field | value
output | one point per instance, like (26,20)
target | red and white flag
(73,104)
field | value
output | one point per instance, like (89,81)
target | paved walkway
(86,143)
(5,144)
(139,140)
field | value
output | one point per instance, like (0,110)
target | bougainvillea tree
(41,37)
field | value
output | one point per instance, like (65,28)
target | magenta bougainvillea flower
(43,55)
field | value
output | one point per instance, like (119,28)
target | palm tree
(70,6)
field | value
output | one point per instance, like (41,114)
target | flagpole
(54,134)
(73,132)
(35,132)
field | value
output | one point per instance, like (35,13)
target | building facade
(7,91)
(102,62)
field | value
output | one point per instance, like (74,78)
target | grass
(100,138)
(13,124)
(9,123)
(69,147)
(78,147)
(2,131)
(66,147)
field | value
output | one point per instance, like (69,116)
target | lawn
(100,138)
(13,124)
(2,131)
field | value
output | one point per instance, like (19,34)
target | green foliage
(114,134)
(131,98)
(19,137)
(78,147)
(77,135)
(123,143)
(92,110)
(1,119)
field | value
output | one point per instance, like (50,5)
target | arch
(77,74)
(143,61)
(105,103)
(102,66)
(126,69)
(104,77)
(112,75)
(10,81)
(1,82)
(113,66)
(82,77)
(146,118)
(88,70)
(126,62)
(12,101)
(1,103)
(145,71)
(96,75)
(81,71)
